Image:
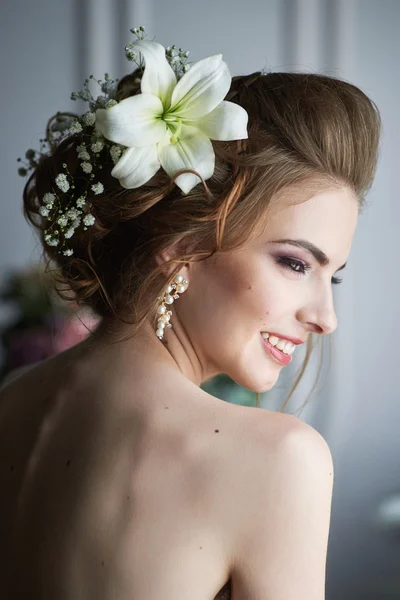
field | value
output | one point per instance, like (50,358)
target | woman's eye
(297,266)
(294,265)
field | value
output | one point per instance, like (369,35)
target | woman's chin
(258,385)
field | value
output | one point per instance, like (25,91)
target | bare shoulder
(281,548)
(287,438)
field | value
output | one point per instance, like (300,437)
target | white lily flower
(170,124)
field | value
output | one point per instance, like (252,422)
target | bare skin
(121,478)
(98,478)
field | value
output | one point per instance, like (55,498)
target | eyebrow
(318,254)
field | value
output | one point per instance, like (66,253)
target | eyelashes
(293,264)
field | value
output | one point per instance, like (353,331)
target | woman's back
(114,492)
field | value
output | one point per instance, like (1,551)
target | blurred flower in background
(42,324)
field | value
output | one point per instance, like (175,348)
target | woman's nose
(319,314)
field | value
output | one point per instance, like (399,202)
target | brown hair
(301,127)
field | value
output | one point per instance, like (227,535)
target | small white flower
(110,103)
(89,118)
(84,155)
(97,146)
(88,220)
(115,153)
(81,202)
(72,213)
(44,211)
(86,167)
(68,252)
(81,147)
(98,188)
(62,182)
(76,127)
(51,241)
(129,54)
(49,198)
(69,233)
(76,222)
(63,221)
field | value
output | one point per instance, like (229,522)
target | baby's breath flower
(86,167)
(63,221)
(98,188)
(51,240)
(49,198)
(72,213)
(62,182)
(44,211)
(89,118)
(81,147)
(111,103)
(76,127)
(115,153)
(84,155)
(76,222)
(68,252)
(97,146)
(88,220)
(81,202)
(69,233)
(171,50)
(129,54)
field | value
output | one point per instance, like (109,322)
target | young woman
(121,478)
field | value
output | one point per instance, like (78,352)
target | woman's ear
(166,258)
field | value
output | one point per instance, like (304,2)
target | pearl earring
(176,287)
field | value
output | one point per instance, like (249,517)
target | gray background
(47,47)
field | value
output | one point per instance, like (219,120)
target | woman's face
(268,286)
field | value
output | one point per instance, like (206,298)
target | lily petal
(134,121)
(136,166)
(202,88)
(226,122)
(193,151)
(158,77)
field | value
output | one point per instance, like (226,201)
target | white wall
(49,46)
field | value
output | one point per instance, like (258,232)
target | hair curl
(301,127)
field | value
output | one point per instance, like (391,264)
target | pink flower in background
(73,330)
(42,324)
(31,345)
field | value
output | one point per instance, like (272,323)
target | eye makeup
(300,267)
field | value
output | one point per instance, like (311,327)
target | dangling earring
(176,287)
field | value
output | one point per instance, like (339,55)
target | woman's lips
(279,356)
